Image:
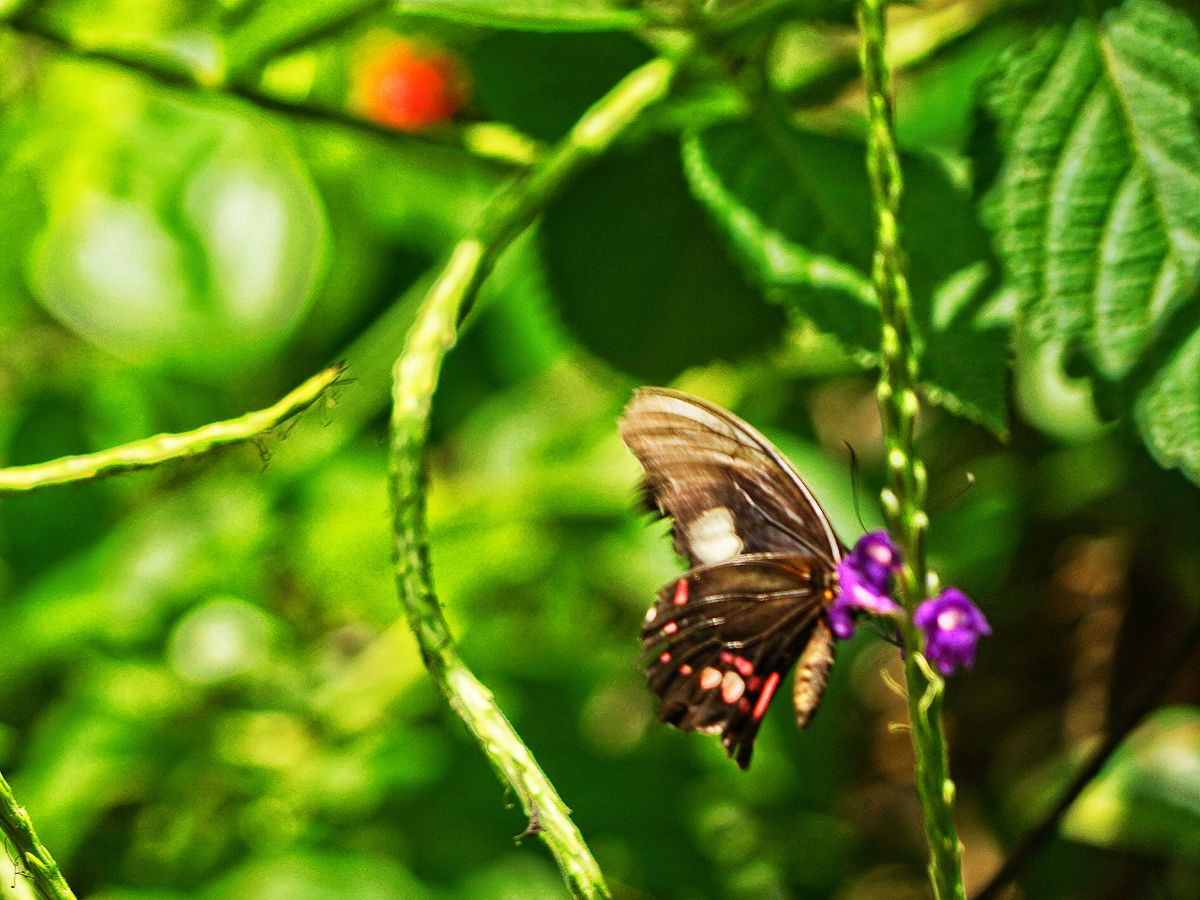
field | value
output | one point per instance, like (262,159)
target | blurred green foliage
(206,687)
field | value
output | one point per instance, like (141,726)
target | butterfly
(762,559)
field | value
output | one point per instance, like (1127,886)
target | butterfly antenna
(950,501)
(854,482)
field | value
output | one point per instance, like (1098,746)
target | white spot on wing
(732,687)
(712,537)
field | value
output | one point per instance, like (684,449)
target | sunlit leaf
(1096,209)
(1168,412)
(207,259)
(1148,796)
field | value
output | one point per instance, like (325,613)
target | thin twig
(162,448)
(1146,703)
(414,380)
(475,138)
(39,865)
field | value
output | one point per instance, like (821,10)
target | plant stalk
(903,500)
(414,380)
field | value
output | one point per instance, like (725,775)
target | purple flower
(863,577)
(876,558)
(953,626)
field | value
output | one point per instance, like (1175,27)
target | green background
(207,688)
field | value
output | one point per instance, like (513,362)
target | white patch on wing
(732,687)
(712,537)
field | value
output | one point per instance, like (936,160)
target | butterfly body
(763,558)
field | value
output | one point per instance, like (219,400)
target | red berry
(408,88)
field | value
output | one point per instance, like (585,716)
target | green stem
(39,865)
(307,25)
(154,451)
(414,379)
(904,498)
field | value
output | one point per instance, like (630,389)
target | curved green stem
(904,498)
(39,865)
(154,451)
(414,379)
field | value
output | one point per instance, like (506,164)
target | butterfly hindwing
(721,638)
(727,489)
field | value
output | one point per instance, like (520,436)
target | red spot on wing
(744,666)
(681,592)
(665,658)
(765,697)
(670,628)
(685,670)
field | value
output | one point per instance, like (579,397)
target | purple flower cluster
(863,578)
(951,623)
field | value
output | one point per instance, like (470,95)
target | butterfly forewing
(762,552)
(728,490)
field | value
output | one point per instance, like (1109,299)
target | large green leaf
(797,209)
(640,278)
(1096,209)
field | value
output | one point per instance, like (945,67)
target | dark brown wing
(729,491)
(721,639)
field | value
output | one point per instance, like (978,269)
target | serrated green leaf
(965,369)
(796,208)
(528,15)
(1168,412)
(1096,209)
(778,262)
